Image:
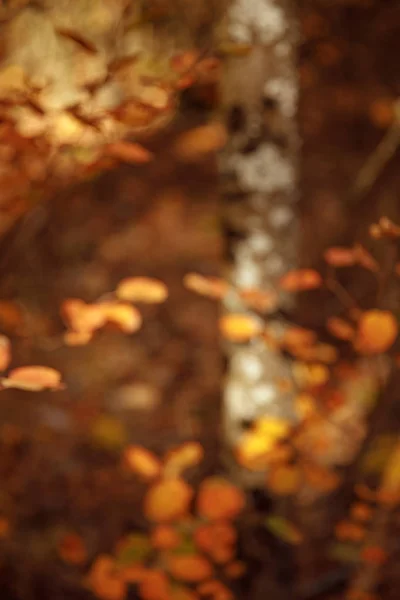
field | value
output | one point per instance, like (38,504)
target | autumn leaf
(134,548)
(261,301)
(219,499)
(125,316)
(192,568)
(167,500)
(5,352)
(349,531)
(240,328)
(129,152)
(235,569)
(200,141)
(377,331)
(284,480)
(211,287)
(283,529)
(340,328)
(181,458)
(142,461)
(82,317)
(300,280)
(142,289)
(154,585)
(215,589)
(72,549)
(359,511)
(33,379)
(165,537)
(77,338)
(340,257)
(104,579)
(217,539)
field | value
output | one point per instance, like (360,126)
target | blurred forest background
(66,495)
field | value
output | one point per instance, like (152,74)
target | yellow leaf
(239,327)
(142,289)
(181,458)
(167,500)
(377,331)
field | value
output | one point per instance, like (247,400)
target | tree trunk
(259,167)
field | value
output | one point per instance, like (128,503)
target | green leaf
(344,552)
(136,549)
(283,529)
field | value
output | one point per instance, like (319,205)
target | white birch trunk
(259,99)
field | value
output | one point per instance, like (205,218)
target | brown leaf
(76,37)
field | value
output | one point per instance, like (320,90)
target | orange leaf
(215,536)
(219,499)
(33,379)
(239,327)
(179,459)
(127,317)
(374,555)
(77,338)
(72,549)
(361,512)
(129,152)
(284,480)
(340,257)
(5,352)
(298,336)
(142,461)
(82,317)
(200,141)
(321,478)
(300,280)
(235,569)
(189,568)
(340,328)
(104,579)
(377,331)
(261,301)
(167,500)
(212,287)
(215,589)
(154,586)
(165,537)
(142,289)
(346,530)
